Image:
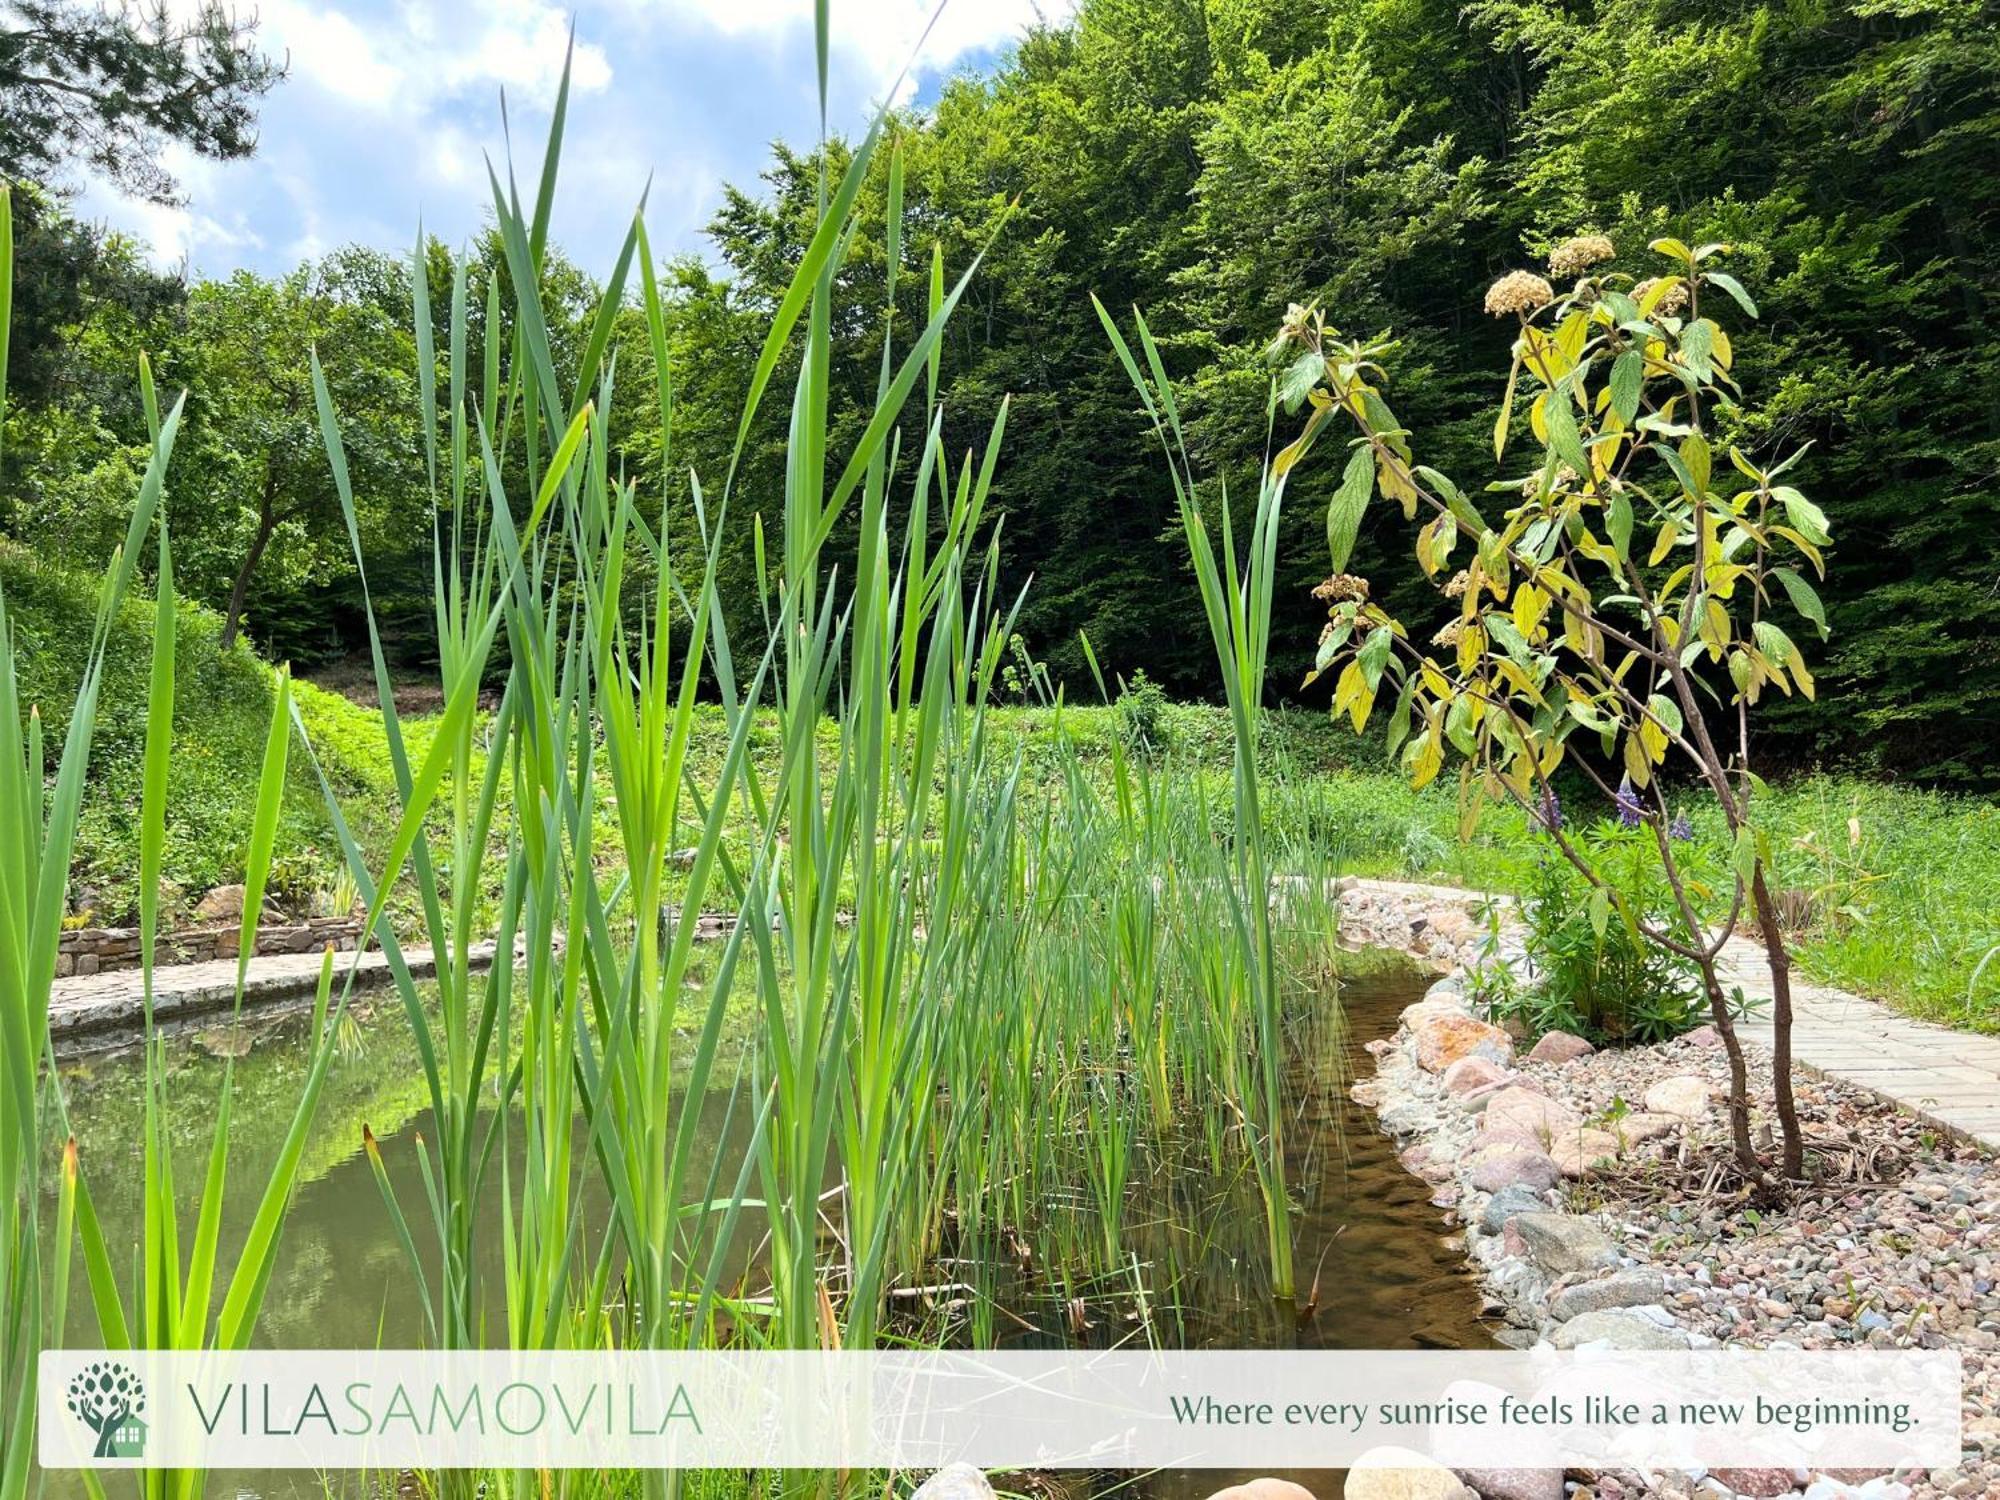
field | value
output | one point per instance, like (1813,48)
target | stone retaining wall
(97,950)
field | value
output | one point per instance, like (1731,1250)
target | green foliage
(1212,161)
(222,706)
(1142,714)
(1592,974)
(109,88)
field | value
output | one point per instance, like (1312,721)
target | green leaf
(1732,286)
(1299,379)
(1803,598)
(1628,376)
(1560,419)
(1618,522)
(1666,711)
(1343,512)
(1774,643)
(1806,518)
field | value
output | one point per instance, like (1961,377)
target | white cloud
(326,47)
(390,112)
(881,35)
(404,60)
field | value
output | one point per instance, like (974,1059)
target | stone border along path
(1948,1079)
(110,1001)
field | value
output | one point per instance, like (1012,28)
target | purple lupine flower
(1630,814)
(1681,828)
(1549,816)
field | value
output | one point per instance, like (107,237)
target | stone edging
(1497,1149)
(83,951)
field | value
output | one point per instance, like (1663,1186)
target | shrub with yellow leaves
(1621,618)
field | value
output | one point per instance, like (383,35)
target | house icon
(128,1439)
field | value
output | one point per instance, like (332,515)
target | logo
(111,1401)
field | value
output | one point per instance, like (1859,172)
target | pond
(1375,1263)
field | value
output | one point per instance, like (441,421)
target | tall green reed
(1236,598)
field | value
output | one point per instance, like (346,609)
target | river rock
(1505,1204)
(1763,1483)
(1619,1329)
(1635,1287)
(1505,1166)
(1264,1489)
(955,1482)
(1578,1153)
(1643,1126)
(1515,1484)
(1559,1047)
(1523,1112)
(1428,1009)
(1563,1243)
(1400,1474)
(1471,1074)
(1443,1040)
(1686,1096)
(223,904)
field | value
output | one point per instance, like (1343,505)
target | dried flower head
(1671,301)
(1456,585)
(1574,257)
(1301,321)
(1518,292)
(1341,586)
(1448,633)
(1532,485)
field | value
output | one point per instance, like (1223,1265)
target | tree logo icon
(111,1401)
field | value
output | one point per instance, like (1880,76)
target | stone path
(102,1002)
(1950,1079)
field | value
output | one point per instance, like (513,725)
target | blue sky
(390,104)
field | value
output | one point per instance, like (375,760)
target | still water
(1387,1274)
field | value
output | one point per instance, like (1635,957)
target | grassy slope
(221,717)
(1903,880)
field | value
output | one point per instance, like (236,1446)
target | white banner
(386,1409)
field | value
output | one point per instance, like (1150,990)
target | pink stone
(1471,1074)
(1522,1111)
(1577,1153)
(1264,1489)
(1559,1047)
(1497,1167)
(1766,1484)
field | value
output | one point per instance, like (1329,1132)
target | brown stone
(1443,1040)
(222,904)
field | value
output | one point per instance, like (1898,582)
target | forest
(1211,161)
